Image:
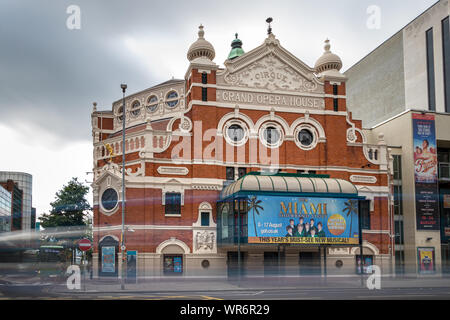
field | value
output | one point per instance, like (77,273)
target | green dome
(236,50)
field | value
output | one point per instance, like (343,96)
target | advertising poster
(279,219)
(177,264)
(425,172)
(131,266)
(425,258)
(368,261)
(108,259)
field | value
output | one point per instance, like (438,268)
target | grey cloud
(49,75)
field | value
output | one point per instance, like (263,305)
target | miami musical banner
(425,172)
(280,219)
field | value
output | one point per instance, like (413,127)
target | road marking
(210,298)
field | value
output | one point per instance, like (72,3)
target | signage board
(425,172)
(303,220)
(108,259)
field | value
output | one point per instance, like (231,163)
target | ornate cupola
(201,48)
(328,61)
(236,50)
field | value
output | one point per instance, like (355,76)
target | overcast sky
(50,75)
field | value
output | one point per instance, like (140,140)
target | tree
(254,205)
(351,207)
(69,208)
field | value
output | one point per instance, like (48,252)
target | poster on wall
(177,264)
(425,172)
(368,261)
(108,259)
(131,266)
(426,263)
(280,219)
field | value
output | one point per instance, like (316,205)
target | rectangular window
(173,264)
(205,219)
(397,167)
(364,207)
(204,78)
(430,70)
(230,173)
(446,59)
(242,172)
(398,210)
(398,232)
(335,89)
(335,105)
(173,203)
(204,94)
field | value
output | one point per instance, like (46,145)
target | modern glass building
(24,183)
(5,210)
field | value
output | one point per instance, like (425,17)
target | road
(440,293)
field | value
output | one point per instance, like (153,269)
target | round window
(305,137)
(135,108)
(120,113)
(205,264)
(110,199)
(339,264)
(235,133)
(172,99)
(271,135)
(152,104)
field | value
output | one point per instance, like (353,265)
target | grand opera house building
(254,165)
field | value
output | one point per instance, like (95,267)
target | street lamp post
(122,248)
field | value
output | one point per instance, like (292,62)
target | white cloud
(51,165)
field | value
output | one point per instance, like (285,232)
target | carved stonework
(363,179)
(272,74)
(204,241)
(173,170)
(339,251)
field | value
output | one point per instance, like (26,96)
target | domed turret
(201,48)
(236,50)
(328,61)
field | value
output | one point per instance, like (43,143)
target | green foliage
(69,208)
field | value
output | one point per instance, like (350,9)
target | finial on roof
(269,30)
(236,48)
(201,33)
(327,45)
(94,106)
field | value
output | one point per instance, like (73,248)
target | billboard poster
(425,257)
(282,219)
(177,264)
(108,259)
(367,262)
(131,266)
(425,172)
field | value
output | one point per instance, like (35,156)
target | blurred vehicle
(53,262)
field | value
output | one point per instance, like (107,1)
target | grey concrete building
(408,78)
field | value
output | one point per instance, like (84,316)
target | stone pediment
(271,68)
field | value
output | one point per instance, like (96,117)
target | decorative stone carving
(204,240)
(272,74)
(363,179)
(139,172)
(338,251)
(182,171)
